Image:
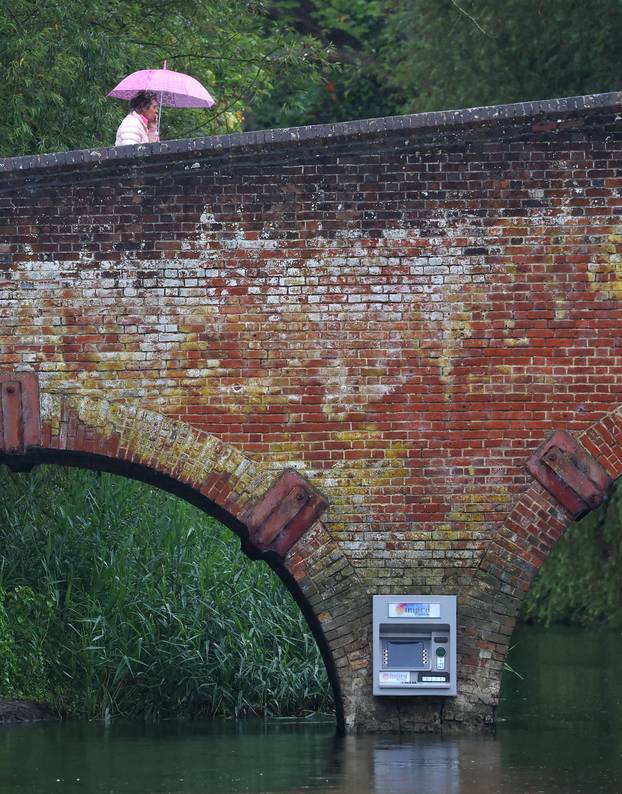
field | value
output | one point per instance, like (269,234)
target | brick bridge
(349,343)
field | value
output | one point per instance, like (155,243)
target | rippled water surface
(559,732)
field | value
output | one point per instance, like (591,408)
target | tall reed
(136,603)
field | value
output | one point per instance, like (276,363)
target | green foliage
(408,56)
(580,582)
(125,600)
(60,58)
(353,33)
(460,53)
(9,663)
(24,619)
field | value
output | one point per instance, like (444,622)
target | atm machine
(414,645)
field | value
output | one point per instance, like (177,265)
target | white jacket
(134,130)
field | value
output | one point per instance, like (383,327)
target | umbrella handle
(160,108)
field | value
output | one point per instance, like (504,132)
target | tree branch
(466,14)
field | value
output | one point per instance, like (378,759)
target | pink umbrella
(176,90)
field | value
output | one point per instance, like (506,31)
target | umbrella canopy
(174,89)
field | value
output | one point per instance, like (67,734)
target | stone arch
(512,558)
(253,500)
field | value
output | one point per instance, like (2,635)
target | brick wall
(399,309)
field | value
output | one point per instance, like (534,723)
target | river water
(559,732)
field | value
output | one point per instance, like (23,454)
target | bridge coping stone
(441,120)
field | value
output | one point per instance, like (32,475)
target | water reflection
(401,767)
(560,732)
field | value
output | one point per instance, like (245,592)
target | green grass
(119,599)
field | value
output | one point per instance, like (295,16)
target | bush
(581,581)
(126,600)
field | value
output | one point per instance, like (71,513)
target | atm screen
(405,653)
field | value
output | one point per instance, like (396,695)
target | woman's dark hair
(142,100)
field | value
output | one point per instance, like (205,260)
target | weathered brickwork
(401,310)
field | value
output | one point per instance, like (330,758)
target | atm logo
(414,609)
(411,610)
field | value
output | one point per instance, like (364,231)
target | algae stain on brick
(163,443)
(604,276)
